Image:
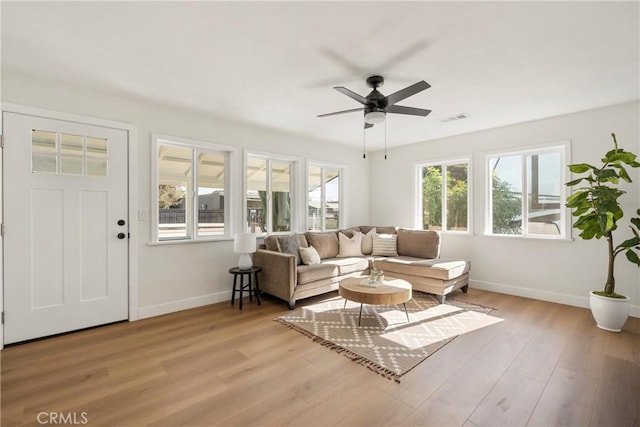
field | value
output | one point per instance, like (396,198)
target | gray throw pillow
(290,245)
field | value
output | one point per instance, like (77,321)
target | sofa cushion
(346,232)
(271,243)
(381,230)
(385,230)
(290,244)
(303,240)
(309,256)
(385,245)
(348,265)
(325,243)
(367,241)
(444,269)
(350,246)
(419,243)
(349,232)
(311,273)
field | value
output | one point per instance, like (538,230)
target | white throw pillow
(367,242)
(385,245)
(309,256)
(350,246)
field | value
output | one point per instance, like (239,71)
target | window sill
(537,238)
(456,233)
(183,242)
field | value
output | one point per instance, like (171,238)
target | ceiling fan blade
(351,94)
(401,56)
(367,125)
(341,112)
(399,109)
(407,92)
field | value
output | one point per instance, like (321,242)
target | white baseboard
(576,301)
(184,304)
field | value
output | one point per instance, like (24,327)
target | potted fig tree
(597,211)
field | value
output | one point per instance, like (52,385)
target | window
(190,190)
(324,189)
(269,182)
(66,154)
(443,198)
(526,192)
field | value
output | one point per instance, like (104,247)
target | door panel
(65,188)
(94,236)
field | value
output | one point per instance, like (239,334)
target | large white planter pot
(610,313)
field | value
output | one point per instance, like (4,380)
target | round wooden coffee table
(390,292)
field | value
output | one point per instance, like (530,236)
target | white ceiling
(274,64)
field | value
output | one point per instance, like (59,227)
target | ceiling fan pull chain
(364,153)
(385,139)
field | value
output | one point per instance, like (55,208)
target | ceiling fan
(376,105)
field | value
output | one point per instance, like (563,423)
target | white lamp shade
(244,243)
(374,117)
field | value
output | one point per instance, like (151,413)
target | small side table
(252,286)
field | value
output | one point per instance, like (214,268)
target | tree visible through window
(444,196)
(526,193)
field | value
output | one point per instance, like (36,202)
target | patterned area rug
(385,342)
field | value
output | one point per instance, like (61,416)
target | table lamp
(244,244)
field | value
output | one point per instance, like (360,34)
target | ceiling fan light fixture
(373,117)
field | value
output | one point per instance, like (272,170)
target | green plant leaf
(633,257)
(620,156)
(623,174)
(580,167)
(581,210)
(605,174)
(574,182)
(605,221)
(634,241)
(578,196)
(585,220)
(588,234)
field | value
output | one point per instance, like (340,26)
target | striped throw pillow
(385,245)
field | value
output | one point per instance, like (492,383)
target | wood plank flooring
(544,365)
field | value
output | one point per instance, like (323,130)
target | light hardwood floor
(544,365)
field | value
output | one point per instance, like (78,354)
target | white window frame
(294,192)
(191,224)
(418,192)
(342,215)
(564,149)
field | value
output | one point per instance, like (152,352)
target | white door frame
(132,196)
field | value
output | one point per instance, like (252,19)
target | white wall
(561,271)
(178,276)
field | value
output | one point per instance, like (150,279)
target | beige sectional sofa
(415,259)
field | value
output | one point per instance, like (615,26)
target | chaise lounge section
(412,255)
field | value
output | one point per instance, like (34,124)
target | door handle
(121,235)
(121,222)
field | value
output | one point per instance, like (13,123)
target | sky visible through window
(509,169)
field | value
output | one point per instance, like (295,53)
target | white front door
(66,226)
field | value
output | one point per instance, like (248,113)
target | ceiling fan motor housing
(375,81)
(376,100)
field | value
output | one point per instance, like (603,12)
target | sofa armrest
(279,275)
